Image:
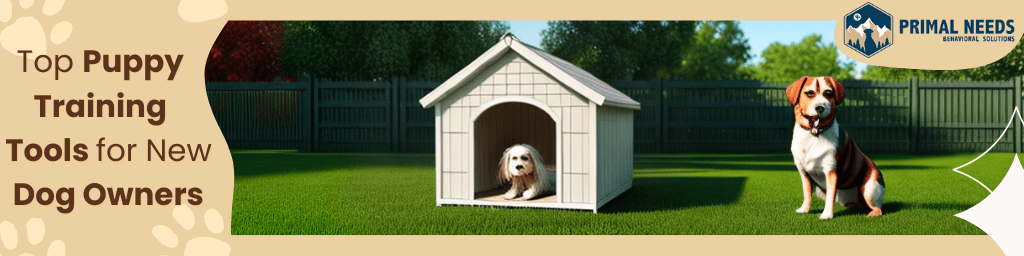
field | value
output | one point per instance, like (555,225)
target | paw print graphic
(201,10)
(26,33)
(35,230)
(197,246)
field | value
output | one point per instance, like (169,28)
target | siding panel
(614,152)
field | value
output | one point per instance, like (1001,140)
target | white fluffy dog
(524,167)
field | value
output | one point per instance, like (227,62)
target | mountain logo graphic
(868,30)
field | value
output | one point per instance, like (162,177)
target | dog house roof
(575,78)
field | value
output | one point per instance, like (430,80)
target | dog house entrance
(500,127)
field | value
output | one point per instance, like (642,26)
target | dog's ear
(840,94)
(793,91)
(503,167)
(536,161)
(535,157)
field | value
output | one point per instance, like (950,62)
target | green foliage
(809,57)
(717,51)
(364,50)
(880,73)
(1008,67)
(620,50)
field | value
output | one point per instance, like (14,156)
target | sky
(759,34)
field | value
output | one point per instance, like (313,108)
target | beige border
(146,27)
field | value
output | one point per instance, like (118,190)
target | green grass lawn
(285,192)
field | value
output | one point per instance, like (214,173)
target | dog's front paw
(825,215)
(528,194)
(511,194)
(875,213)
(803,209)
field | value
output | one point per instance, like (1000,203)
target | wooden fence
(754,116)
(316,115)
(676,116)
(263,115)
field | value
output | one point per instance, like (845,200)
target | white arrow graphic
(999,213)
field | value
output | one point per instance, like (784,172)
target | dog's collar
(818,130)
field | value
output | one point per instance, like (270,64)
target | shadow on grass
(894,207)
(904,167)
(887,208)
(713,165)
(716,157)
(671,193)
(258,164)
(731,163)
(941,206)
(957,207)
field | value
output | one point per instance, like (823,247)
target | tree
(879,73)
(364,50)
(716,52)
(809,57)
(614,50)
(247,51)
(1008,67)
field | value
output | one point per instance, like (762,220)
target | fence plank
(416,124)
(316,114)
(393,108)
(1017,105)
(915,108)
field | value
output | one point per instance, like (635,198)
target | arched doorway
(502,125)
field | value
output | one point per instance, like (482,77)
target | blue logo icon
(868,30)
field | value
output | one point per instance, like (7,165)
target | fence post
(315,119)
(1016,98)
(396,104)
(915,107)
(308,114)
(662,114)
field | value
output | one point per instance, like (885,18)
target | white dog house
(516,93)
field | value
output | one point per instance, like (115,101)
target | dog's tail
(818,192)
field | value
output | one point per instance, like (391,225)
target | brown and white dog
(523,166)
(827,158)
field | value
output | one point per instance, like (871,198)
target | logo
(868,30)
